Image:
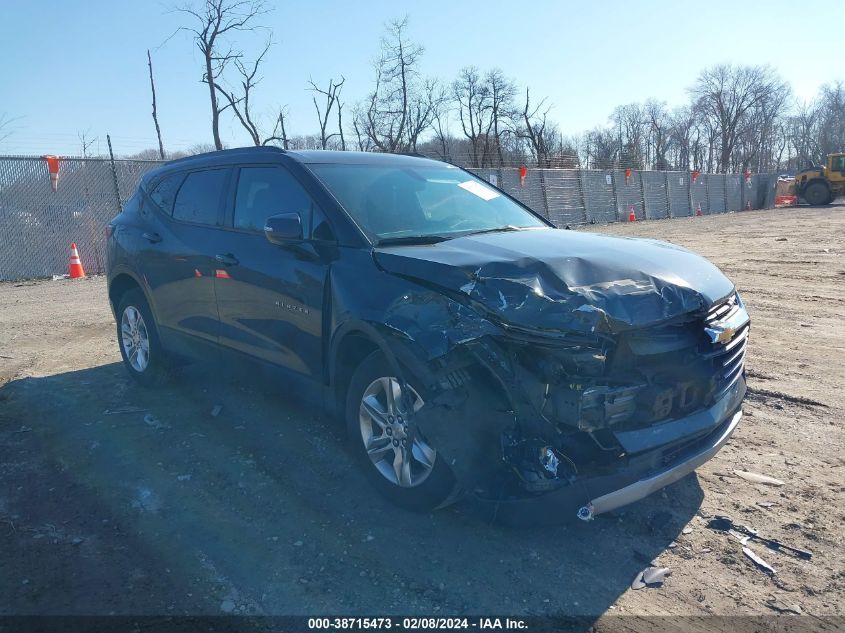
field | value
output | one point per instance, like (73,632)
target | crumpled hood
(565,280)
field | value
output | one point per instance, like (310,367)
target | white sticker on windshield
(485,193)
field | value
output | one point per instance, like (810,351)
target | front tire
(817,194)
(394,453)
(137,337)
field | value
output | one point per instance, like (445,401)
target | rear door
(178,256)
(271,299)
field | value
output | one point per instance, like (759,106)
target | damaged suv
(469,345)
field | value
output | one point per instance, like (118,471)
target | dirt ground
(121,500)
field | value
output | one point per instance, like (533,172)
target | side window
(165,191)
(266,191)
(199,197)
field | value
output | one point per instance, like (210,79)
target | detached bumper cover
(647,485)
(657,457)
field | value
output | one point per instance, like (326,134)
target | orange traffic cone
(698,209)
(632,217)
(75,271)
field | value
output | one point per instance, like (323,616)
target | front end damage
(642,385)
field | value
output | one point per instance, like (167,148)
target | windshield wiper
(498,229)
(412,239)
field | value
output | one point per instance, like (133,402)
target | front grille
(730,321)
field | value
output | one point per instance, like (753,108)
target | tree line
(737,118)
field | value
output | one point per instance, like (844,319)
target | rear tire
(137,338)
(400,463)
(817,194)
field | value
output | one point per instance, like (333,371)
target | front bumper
(644,487)
(658,456)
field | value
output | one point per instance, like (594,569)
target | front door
(270,300)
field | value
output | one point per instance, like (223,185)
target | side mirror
(283,228)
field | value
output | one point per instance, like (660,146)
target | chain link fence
(38,224)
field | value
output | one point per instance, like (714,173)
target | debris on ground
(651,576)
(743,534)
(758,561)
(216,409)
(687,530)
(767,504)
(757,478)
(781,607)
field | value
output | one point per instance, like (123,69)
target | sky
(80,67)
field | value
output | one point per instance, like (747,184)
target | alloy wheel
(135,338)
(394,445)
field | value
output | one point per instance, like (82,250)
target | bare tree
(155,114)
(803,135)
(535,120)
(502,93)
(424,106)
(86,142)
(440,116)
(725,94)
(472,97)
(360,127)
(6,126)
(385,118)
(659,132)
(239,100)
(831,115)
(630,123)
(601,148)
(214,20)
(331,95)
(279,130)
(682,122)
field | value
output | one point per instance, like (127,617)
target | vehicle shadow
(260,509)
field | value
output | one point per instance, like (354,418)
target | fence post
(613,185)
(689,193)
(642,194)
(114,176)
(545,193)
(668,197)
(583,195)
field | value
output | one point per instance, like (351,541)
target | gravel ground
(121,500)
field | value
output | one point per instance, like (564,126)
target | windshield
(437,202)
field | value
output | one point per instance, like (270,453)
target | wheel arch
(121,283)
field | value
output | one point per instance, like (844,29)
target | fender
(122,269)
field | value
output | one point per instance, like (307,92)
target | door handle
(153,238)
(227,259)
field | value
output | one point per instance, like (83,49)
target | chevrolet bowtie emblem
(720,334)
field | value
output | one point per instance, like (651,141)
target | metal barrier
(37,224)
(594,196)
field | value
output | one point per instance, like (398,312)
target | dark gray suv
(469,346)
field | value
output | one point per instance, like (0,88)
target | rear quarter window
(164,193)
(199,197)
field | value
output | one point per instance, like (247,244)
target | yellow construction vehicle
(822,185)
